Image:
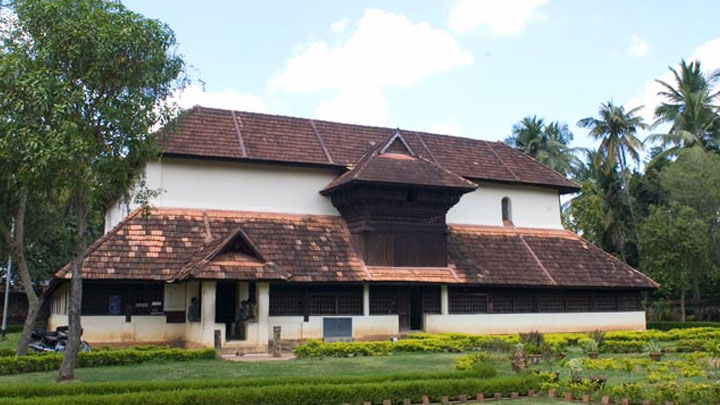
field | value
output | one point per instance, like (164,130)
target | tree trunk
(16,243)
(67,368)
(682,305)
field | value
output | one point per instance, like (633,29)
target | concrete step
(236,349)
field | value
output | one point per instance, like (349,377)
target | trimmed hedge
(47,390)
(667,325)
(303,394)
(51,361)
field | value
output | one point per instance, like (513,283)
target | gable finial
(397,136)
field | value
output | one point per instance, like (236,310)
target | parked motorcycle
(49,341)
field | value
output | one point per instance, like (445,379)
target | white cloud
(361,105)
(638,47)
(228,98)
(709,56)
(503,17)
(339,26)
(384,50)
(449,127)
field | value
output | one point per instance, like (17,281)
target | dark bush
(667,325)
(51,361)
(302,394)
(46,390)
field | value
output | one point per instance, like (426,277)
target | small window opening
(507,211)
(411,196)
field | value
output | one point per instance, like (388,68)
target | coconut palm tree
(690,107)
(548,144)
(616,129)
(527,135)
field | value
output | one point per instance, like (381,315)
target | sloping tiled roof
(390,163)
(294,248)
(224,134)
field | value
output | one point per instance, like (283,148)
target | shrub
(629,346)
(590,346)
(667,325)
(51,361)
(47,390)
(304,394)
(598,336)
(476,362)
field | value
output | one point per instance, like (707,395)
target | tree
(674,244)
(28,163)
(112,72)
(616,130)
(690,108)
(694,180)
(548,144)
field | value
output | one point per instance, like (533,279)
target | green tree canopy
(547,143)
(102,76)
(690,107)
(673,241)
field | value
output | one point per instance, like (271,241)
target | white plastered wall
(203,184)
(294,328)
(543,322)
(532,207)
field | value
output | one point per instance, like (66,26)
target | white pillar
(263,312)
(366,299)
(444,300)
(208,312)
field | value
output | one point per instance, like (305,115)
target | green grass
(201,369)
(10,342)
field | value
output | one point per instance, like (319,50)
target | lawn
(690,369)
(206,369)
(10,342)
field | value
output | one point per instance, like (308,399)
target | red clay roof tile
(207,132)
(299,248)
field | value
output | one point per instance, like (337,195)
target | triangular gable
(235,241)
(397,144)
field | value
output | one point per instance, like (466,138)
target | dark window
(122,298)
(383,300)
(502,302)
(321,300)
(629,301)
(468,301)
(578,302)
(605,302)
(551,302)
(286,301)
(506,209)
(431,300)
(524,302)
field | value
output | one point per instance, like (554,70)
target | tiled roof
(393,162)
(174,244)
(225,134)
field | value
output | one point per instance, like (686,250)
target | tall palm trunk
(67,368)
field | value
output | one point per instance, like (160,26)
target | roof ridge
(422,141)
(239,133)
(448,171)
(321,140)
(595,247)
(532,253)
(502,162)
(554,172)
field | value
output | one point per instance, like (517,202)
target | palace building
(341,231)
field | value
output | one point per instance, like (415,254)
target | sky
(461,67)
